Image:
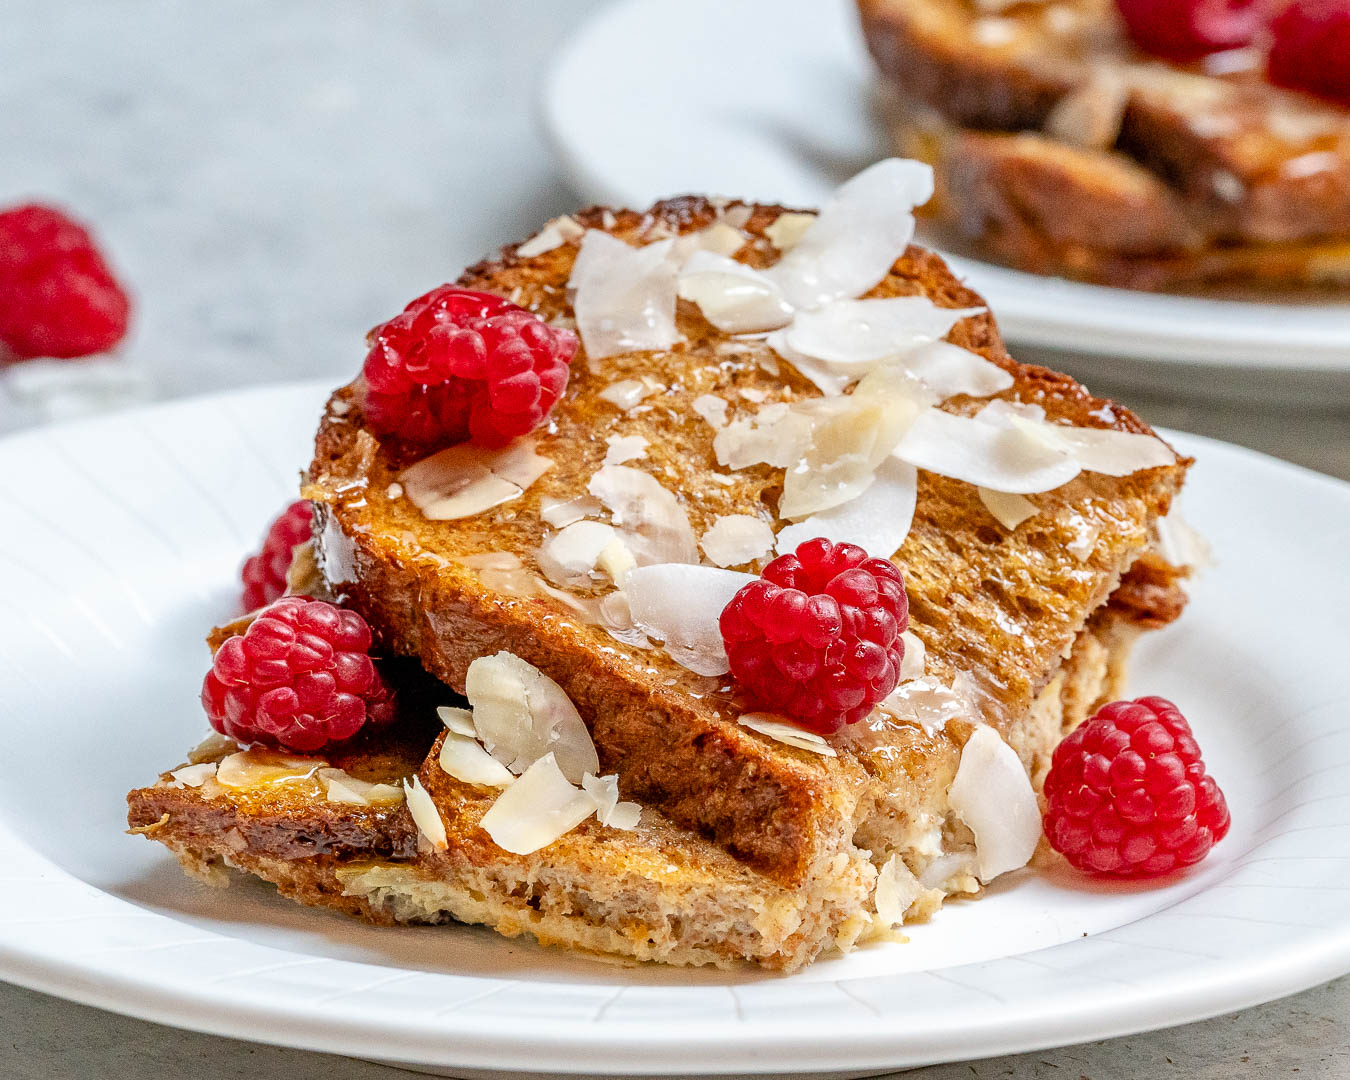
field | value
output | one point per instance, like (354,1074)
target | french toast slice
(1260,176)
(1004,611)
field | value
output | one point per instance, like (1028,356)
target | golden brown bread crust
(1002,609)
(1240,162)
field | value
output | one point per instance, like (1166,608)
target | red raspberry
(264,574)
(1183,30)
(299,677)
(57,295)
(1311,48)
(818,636)
(457,365)
(1128,794)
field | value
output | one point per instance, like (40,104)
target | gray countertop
(272,178)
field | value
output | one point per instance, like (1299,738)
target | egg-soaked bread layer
(1002,608)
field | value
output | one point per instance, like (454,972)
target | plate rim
(877,1040)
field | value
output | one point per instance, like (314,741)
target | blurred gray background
(272,178)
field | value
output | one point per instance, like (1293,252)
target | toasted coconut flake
(1008,510)
(608,809)
(460,721)
(464,480)
(656,525)
(896,890)
(342,787)
(568,557)
(680,605)
(736,539)
(212,748)
(425,815)
(559,231)
(788,228)
(624,448)
(194,775)
(852,337)
(521,714)
(857,236)
(537,809)
(259,767)
(626,393)
(783,730)
(912,663)
(733,297)
(993,796)
(464,758)
(624,297)
(877,521)
(711,408)
(562,512)
(988,454)
(303,576)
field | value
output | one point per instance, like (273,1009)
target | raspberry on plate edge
(264,574)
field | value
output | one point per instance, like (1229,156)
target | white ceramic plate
(120,545)
(661,97)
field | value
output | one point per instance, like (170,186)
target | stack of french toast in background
(1153,144)
(711,586)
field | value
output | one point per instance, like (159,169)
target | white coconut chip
(624,297)
(993,796)
(927,702)
(735,298)
(608,809)
(896,890)
(559,231)
(458,720)
(1180,543)
(656,526)
(857,236)
(520,715)
(259,767)
(984,453)
(624,448)
(877,521)
(736,539)
(562,512)
(616,560)
(912,663)
(568,557)
(194,775)
(465,758)
(1099,450)
(782,730)
(680,605)
(788,228)
(852,337)
(712,409)
(719,238)
(464,480)
(945,869)
(626,393)
(537,809)
(949,370)
(425,815)
(1008,510)
(342,787)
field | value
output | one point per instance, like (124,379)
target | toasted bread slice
(1003,609)
(1249,163)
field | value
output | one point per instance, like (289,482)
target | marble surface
(272,177)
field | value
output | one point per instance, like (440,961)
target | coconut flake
(627,393)
(949,370)
(537,809)
(896,890)
(940,873)
(464,758)
(987,454)
(788,228)
(777,435)
(719,238)
(562,512)
(736,539)
(460,721)
(616,560)
(464,480)
(624,448)
(520,714)
(993,796)
(656,525)
(912,663)
(1180,543)
(624,297)
(712,409)
(877,521)
(342,787)
(680,605)
(735,298)
(857,236)
(1099,450)
(782,730)
(927,702)
(559,231)
(259,767)
(194,775)
(425,815)
(1009,510)
(852,337)
(608,809)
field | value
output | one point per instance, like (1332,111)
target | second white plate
(662,97)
